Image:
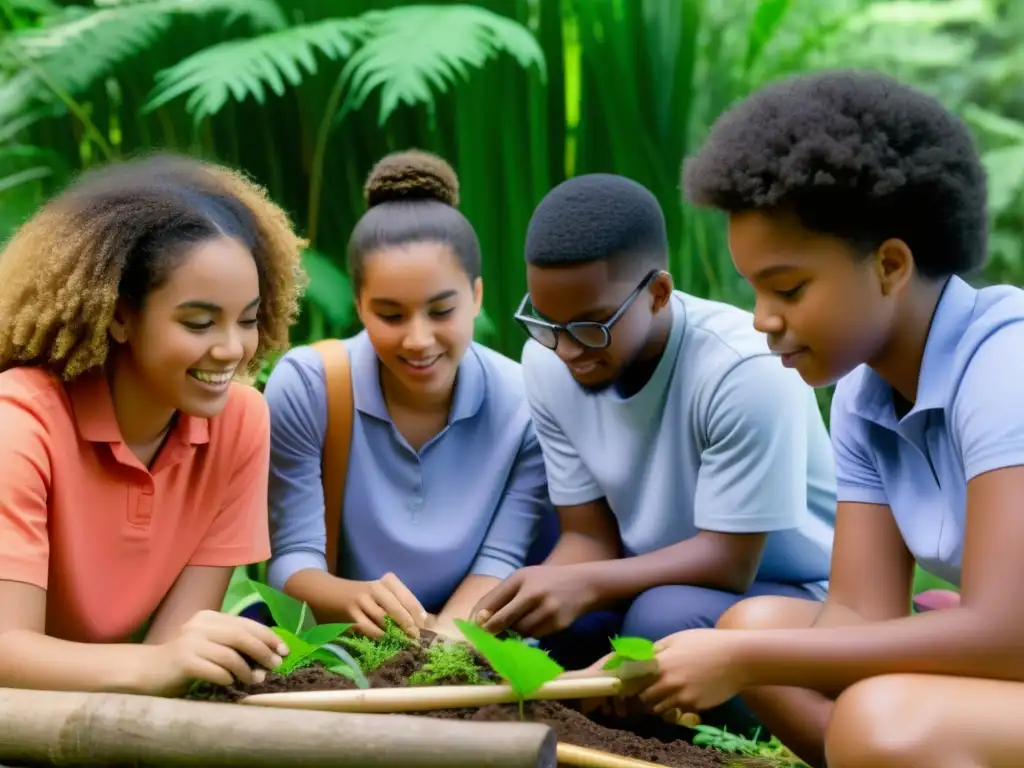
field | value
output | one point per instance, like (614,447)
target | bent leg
(663,611)
(797,716)
(913,721)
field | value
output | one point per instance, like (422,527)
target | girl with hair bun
(445,483)
(133,468)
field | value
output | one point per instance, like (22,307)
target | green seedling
(524,667)
(307,641)
(448,661)
(373,654)
(733,743)
(629,649)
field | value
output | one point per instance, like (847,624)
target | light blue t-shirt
(469,502)
(968,419)
(721,438)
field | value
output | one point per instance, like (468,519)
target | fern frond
(240,69)
(419,49)
(79,46)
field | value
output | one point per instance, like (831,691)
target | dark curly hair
(412,197)
(598,217)
(116,233)
(852,154)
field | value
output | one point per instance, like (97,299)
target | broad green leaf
(633,648)
(524,667)
(323,633)
(286,611)
(630,649)
(298,650)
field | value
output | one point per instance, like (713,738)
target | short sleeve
(238,534)
(857,479)
(753,470)
(518,516)
(297,398)
(24,491)
(988,410)
(569,480)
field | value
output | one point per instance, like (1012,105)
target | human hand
(367,603)
(697,669)
(210,647)
(537,600)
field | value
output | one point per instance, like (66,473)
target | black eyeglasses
(586,333)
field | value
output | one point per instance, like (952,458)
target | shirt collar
(93,408)
(470,382)
(935,384)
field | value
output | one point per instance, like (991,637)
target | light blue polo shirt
(721,438)
(968,419)
(468,503)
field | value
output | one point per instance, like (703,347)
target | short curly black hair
(597,217)
(853,154)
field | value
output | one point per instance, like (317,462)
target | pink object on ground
(936,599)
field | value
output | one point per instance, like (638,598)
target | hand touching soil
(210,647)
(367,603)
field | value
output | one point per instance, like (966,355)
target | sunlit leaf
(417,51)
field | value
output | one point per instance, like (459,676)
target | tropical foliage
(519,94)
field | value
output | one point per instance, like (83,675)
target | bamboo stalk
(584,757)
(116,729)
(432,697)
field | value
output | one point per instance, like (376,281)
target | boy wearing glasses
(690,469)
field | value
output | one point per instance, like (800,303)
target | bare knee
(769,612)
(875,722)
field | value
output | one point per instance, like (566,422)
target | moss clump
(373,654)
(448,661)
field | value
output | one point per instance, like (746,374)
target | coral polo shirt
(83,518)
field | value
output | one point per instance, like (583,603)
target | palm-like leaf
(241,69)
(79,47)
(416,49)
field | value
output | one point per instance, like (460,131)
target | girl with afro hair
(445,484)
(855,204)
(133,465)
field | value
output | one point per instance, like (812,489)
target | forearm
(697,561)
(469,593)
(323,593)
(35,661)
(958,641)
(573,548)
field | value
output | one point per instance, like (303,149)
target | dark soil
(571,726)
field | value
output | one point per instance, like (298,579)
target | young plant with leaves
(525,667)
(308,642)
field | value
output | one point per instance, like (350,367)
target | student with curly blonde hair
(133,469)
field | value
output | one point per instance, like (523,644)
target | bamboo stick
(117,729)
(432,697)
(584,757)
